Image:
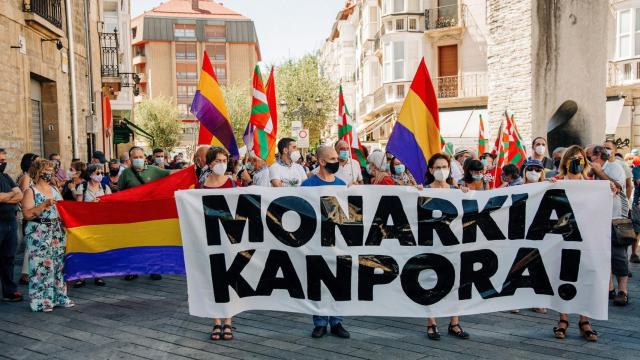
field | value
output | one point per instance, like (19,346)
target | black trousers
(8,247)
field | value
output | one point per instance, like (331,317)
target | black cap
(100,156)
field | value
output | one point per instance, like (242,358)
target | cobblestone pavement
(146,319)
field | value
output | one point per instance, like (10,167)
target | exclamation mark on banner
(569,268)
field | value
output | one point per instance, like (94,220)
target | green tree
(299,84)
(161,119)
(237,97)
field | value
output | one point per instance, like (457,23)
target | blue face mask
(477,177)
(344,155)
(138,163)
(399,169)
(249,166)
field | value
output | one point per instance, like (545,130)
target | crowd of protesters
(28,203)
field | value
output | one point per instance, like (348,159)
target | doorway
(448,71)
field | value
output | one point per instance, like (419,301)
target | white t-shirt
(457,173)
(262,178)
(350,172)
(291,176)
(615,172)
(90,196)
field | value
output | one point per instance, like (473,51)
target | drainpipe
(87,46)
(72,78)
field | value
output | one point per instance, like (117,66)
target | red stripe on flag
(423,87)
(207,67)
(77,214)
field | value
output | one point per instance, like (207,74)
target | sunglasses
(533,168)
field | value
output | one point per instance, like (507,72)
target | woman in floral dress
(45,240)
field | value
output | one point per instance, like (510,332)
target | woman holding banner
(217,159)
(474,175)
(377,167)
(439,177)
(573,166)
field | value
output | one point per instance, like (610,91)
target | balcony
(110,54)
(445,20)
(470,85)
(46,15)
(138,59)
(624,72)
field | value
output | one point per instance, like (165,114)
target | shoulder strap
(137,175)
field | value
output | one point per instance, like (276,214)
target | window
(399,24)
(185,51)
(186,72)
(624,33)
(389,26)
(388,60)
(183,108)
(400,92)
(413,24)
(184,31)
(221,71)
(217,52)
(398,60)
(637,33)
(386,6)
(398,6)
(185,91)
(215,32)
(414,5)
(134,31)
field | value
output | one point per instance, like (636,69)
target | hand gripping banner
(397,251)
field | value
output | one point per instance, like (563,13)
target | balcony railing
(444,17)
(464,86)
(50,10)
(625,72)
(110,54)
(379,98)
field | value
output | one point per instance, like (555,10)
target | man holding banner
(328,166)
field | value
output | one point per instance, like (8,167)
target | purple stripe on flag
(402,144)
(125,261)
(212,119)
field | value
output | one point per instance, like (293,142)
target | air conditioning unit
(92,124)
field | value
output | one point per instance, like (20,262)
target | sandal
(561,332)
(216,333)
(621,299)
(434,334)
(459,334)
(589,335)
(539,310)
(612,294)
(69,304)
(99,282)
(78,284)
(227,335)
(47,310)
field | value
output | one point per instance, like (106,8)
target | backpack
(85,186)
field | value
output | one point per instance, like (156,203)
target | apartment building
(168,43)
(50,78)
(375,48)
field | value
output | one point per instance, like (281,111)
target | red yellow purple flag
(416,134)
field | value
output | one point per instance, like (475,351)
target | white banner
(397,251)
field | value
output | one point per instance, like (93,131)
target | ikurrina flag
(482,139)
(511,148)
(273,109)
(135,232)
(347,130)
(261,124)
(209,108)
(416,134)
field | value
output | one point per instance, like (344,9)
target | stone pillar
(547,65)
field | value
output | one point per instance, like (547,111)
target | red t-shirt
(387,180)
(228,184)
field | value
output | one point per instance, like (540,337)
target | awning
(614,110)
(371,126)
(462,123)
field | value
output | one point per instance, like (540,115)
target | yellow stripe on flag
(415,117)
(100,238)
(210,89)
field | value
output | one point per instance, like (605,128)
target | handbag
(622,234)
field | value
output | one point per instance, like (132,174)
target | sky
(286,28)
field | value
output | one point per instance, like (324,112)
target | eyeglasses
(533,168)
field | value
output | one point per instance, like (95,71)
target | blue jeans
(324,320)
(8,246)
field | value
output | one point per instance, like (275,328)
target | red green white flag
(264,128)
(348,132)
(482,139)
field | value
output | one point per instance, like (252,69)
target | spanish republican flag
(134,232)
(416,134)
(209,108)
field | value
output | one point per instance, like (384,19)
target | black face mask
(575,167)
(3,166)
(556,163)
(114,172)
(332,167)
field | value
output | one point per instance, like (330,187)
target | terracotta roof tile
(182,8)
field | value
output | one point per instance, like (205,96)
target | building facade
(50,78)
(376,46)
(168,45)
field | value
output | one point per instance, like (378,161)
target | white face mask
(533,176)
(540,149)
(219,169)
(441,174)
(295,156)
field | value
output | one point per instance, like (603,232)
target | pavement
(146,319)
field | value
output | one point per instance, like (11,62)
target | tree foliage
(161,119)
(237,97)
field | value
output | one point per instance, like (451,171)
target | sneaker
(155,277)
(635,259)
(340,331)
(318,332)
(15,297)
